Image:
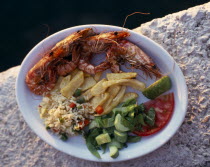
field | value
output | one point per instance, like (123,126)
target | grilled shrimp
(43,76)
(127,51)
(98,44)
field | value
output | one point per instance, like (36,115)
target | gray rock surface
(186,36)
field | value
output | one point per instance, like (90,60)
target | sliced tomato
(164,107)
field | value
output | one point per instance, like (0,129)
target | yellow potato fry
(99,100)
(87,95)
(98,76)
(98,88)
(113,90)
(123,75)
(74,84)
(138,85)
(115,101)
(129,95)
(65,81)
(57,86)
(89,82)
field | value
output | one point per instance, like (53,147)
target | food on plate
(64,116)
(115,101)
(115,129)
(126,51)
(99,100)
(73,85)
(123,75)
(89,82)
(163,108)
(77,50)
(157,88)
(98,76)
(43,76)
(77,101)
(134,83)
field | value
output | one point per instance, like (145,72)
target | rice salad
(62,117)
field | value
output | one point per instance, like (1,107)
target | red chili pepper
(72,105)
(99,109)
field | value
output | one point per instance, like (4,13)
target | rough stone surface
(186,36)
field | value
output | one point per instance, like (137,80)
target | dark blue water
(25,23)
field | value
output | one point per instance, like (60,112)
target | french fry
(99,100)
(129,95)
(87,95)
(98,76)
(74,84)
(65,81)
(123,75)
(88,83)
(113,90)
(114,102)
(98,88)
(138,85)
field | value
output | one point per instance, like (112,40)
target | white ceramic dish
(75,146)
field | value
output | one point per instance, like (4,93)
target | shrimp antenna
(48,29)
(131,15)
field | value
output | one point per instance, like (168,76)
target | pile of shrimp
(76,51)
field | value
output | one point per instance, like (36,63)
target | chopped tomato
(86,122)
(72,105)
(99,109)
(164,106)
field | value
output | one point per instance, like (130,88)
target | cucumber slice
(116,143)
(120,136)
(103,138)
(157,88)
(114,153)
(118,124)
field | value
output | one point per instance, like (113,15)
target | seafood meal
(77,100)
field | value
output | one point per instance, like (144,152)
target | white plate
(75,146)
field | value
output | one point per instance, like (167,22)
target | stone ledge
(186,36)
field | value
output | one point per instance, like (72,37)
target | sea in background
(25,23)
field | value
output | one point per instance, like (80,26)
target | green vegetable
(103,138)
(131,114)
(77,93)
(80,100)
(93,124)
(157,88)
(91,147)
(103,147)
(128,122)
(133,139)
(140,108)
(118,124)
(114,153)
(139,119)
(120,136)
(129,102)
(63,137)
(124,110)
(48,128)
(108,122)
(150,117)
(116,143)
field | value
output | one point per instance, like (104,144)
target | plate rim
(102,26)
